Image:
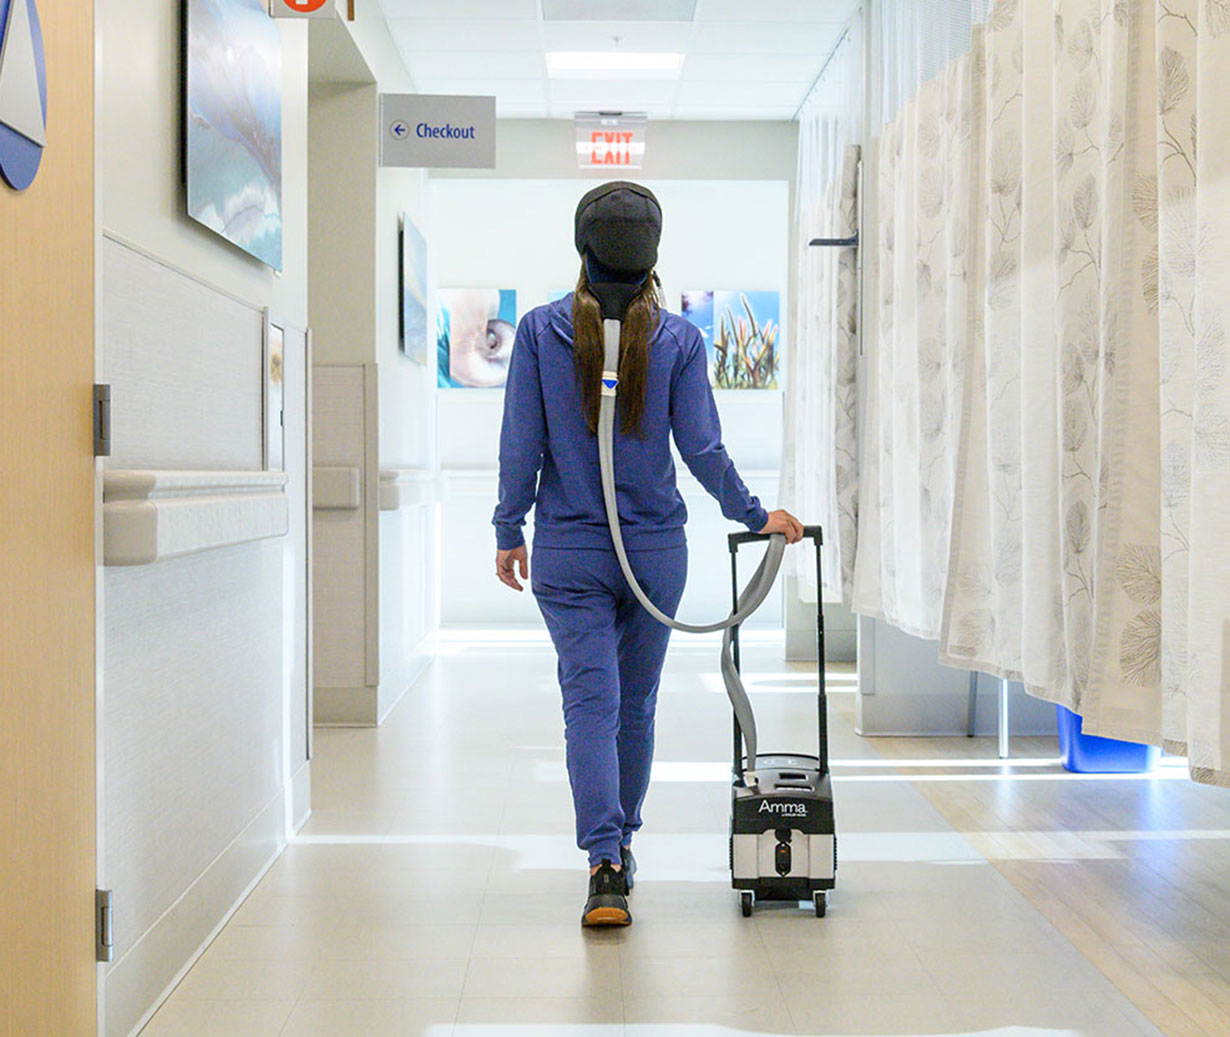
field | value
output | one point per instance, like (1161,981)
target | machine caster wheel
(746,899)
(821,900)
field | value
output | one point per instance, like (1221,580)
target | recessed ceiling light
(613,64)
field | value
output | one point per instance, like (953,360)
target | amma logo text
(770,806)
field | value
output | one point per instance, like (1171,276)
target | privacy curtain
(1089,517)
(923,252)
(1052,543)
(820,462)
(1185,201)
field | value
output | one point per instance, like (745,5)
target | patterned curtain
(1046,526)
(920,291)
(820,466)
(1088,501)
(1185,202)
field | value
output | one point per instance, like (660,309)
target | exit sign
(610,141)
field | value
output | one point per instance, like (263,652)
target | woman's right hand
(781,521)
(507,563)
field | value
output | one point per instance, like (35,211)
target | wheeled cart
(783,839)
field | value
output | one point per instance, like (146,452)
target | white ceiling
(745,59)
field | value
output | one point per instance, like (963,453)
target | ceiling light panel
(618,10)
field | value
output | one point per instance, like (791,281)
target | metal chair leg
(973,704)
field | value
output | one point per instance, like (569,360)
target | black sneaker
(607,903)
(629,863)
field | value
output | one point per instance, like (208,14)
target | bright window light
(613,64)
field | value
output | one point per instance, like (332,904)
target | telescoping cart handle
(816,535)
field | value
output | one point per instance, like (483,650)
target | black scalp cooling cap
(620,224)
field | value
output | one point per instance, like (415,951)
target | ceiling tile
(619,10)
(742,94)
(816,38)
(781,68)
(510,91)
(479,10)
(659,37)
(478,65)
(734,112)
(488,36)
(745,59)
(793,11)
(586,95)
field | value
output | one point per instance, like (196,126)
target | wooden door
(47,521)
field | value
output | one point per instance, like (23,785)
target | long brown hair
(639,323)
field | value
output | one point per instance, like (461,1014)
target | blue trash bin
(1089,754)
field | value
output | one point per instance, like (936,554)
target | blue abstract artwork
(233,146)
(475,331)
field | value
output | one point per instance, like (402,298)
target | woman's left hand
(507,563)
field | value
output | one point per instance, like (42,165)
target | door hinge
(102,925)
(102,421)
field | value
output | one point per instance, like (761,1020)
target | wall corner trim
(149,516)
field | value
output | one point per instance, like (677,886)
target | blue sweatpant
(610,660)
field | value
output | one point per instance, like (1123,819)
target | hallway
(436,888)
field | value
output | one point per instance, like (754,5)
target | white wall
(517,233)
(203,667)
(355,302)
(139,159)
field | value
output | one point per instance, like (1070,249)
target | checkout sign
(610,141)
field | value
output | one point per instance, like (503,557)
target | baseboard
(299,808)
(393,691)
(840,646)
(948,714)
(367,706)
(137,984)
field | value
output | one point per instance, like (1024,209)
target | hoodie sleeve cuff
(757,520)
(509,537)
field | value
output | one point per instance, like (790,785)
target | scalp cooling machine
(783,839)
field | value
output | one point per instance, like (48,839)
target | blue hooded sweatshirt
(549,457)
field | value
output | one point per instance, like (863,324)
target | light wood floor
(1135,873)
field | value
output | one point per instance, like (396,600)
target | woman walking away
(610,649)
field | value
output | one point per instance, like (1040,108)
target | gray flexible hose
(750,599)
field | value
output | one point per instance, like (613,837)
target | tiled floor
(436,890)
(1134,872)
